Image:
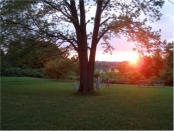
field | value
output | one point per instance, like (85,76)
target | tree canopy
(59,21)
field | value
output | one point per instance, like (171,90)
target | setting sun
(133,59)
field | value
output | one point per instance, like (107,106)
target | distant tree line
(154,68)
(30,57)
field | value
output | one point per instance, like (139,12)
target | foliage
(58,68)
(124,67)
(167,73)
(26,56)
(147,68)
(96,73)
(111,75)
(39,19)
(29,53)
(105,65)
(23,72)
(151,65)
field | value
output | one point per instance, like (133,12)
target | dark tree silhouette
(74,24)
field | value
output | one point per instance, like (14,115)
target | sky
(123,50)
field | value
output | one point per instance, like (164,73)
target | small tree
(167,74)
(58,68)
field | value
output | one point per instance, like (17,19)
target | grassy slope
(31,103)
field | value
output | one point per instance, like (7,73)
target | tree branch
(103,22)
(82,13)
(74,13)
(58,9)
(18,23)
(105,5)
(97,22)
(103,33)
(71,41)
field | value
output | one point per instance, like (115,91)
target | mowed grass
(42,104)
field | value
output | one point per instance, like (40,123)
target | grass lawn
(42,104)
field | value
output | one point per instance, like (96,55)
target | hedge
(19,72)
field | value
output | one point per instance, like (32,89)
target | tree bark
(87,71)
(83,72)
(91,63)
(83,51)
(91,68)
(87,67)
(83,61)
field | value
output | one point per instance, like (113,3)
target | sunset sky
(123,49)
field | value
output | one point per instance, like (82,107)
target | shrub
(58,68)
(19,72)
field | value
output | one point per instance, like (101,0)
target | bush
(19,72)
(58,68)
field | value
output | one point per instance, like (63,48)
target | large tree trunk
(83,61)
(91,63)
(83,50)
(87,68)
(87,72)
(91,67)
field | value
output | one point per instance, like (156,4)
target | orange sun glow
(133,59)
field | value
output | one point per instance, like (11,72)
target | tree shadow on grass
(94,93)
